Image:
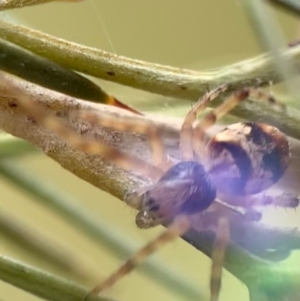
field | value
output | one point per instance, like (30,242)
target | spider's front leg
(159,157)
(200,139)
(186,132)
(90,146)
(132,124)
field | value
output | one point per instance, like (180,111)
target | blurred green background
(194,34)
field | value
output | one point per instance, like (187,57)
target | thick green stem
(236,258)
(165,80)
(265,281)
(260,239)
(40,283)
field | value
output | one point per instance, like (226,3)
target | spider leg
(232,212)
(89,146)
(285,200)
(221,242)
(199,136)
(186,133)
(208,219)
(180,225)
(135,125)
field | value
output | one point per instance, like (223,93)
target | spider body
(247,158)
(243,159)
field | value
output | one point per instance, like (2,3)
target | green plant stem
(262,278)
(11,146)
(258,238)
(39,70)
(116,242)
(151,77)
(236,258)
(40,283)
(165,80)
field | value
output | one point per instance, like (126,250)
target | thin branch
(41,71)
(40,283)
(106,176)
(165,80)
(263,23)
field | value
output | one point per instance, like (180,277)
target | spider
(244,159)
(253,155)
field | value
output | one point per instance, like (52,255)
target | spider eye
(152,205)
(150,201)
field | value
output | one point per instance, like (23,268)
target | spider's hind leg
(284,200)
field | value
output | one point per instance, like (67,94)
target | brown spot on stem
(12,104)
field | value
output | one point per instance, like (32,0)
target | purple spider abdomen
(247,158)
(183,189)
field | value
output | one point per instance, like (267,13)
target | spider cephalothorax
(186,181)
